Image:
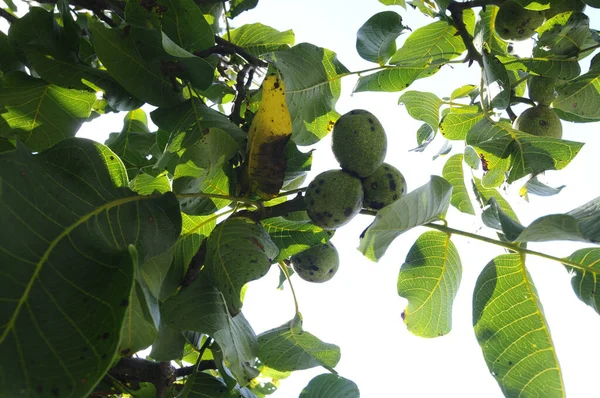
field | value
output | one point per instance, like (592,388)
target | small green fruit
(384,186)
(539,120)
(317,264)
(333,198)
(542,89)
(514,23)
(359,142)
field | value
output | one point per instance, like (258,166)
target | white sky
(359,309)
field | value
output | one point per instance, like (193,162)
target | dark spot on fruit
(393,185)
(318,191)
(329,215)
(311,273)
(376,205)
(355,131)
(543,122)
(520,31)
(336,220)
(370,121)
(321,181)
(395,197)
(331,271)
(314,268)
(374,185)
(348,211)
(372,128)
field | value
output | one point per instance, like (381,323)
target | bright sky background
(359,309)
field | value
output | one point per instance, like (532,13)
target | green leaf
(558,67)
(429,280)
(260,39)
(485,194)
(9,59)
(581,96)
(237,251)
(393,3)
(297,164)
(146,184)
(134,143)
(453,173)
(120,54)
(288,348)
(496,81)
(312,81)
(425,204)
(456,124)
(202,385)
(212,150)
(168,345)
(202,308)
(536,187)
(471,157)
(376,38)
(330,386)
(184,23)
(186,124)
(422,106)
(565,34)
(511,329)
(292,237)
(38,113)
(84,217)
(463,91)
(529,154)
(236,7)
(430,47)
(425,136)
(585,283)
(422,54)
(485,32)
(195,229)
(388,80)
(139,330)
(213,181)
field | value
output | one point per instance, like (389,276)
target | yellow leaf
(269,133)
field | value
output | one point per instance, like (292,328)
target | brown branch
(7,15)
(251,59)
(195,265)
(188,370)
(137,370)
(240,86)
(456,11)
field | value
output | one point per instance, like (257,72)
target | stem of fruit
(510,246)
(287,276)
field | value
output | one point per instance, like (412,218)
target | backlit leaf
(237,251)
(312,80)
(292,237)
(288,348)
(41,114)
(429,279)
(202,308)
(585,283)
(376,38)
(259,39)
(511,329)
(422,106)
(453,173)
(420,206)
(581,96)
(329,385)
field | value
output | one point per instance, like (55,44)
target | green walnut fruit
(559,7)
(514,23)
(333,198)
(542,89)
(539,120)
(359,142)
(317,264)
(383,187)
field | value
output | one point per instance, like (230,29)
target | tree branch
(7,15)
(456,11)
(228,48)
(137,370)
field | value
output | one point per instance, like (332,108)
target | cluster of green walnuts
(515,23)
(334,197)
